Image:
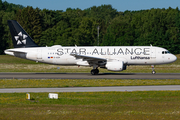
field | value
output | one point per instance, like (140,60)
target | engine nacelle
(115,66)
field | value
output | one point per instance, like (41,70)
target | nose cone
(173,58)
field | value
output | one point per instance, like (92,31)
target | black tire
(96,71)
(93,72)
(153,72)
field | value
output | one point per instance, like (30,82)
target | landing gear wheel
(153,72)
(97,71)
(94,71)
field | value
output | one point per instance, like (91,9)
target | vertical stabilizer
(19,36)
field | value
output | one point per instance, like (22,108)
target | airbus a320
(113,58)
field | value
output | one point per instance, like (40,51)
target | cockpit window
(165,52)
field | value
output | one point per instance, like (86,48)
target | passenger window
(162,52)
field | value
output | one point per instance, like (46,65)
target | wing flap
(88,58)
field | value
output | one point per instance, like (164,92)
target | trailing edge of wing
(88,58)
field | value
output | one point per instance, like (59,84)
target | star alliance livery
(113,58)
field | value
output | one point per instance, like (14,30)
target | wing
(89,59)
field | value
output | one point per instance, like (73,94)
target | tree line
(94,26)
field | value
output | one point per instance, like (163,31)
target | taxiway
(92,89)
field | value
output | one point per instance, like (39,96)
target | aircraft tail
(19,36)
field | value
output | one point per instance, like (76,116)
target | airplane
(112,58)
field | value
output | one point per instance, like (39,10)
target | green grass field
(151,105)
(56,83)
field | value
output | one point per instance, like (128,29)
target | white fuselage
(130,55)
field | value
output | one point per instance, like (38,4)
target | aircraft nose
(173,58)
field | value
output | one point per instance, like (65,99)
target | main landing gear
(153,71)
(94,71)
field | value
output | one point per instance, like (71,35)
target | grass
(14,64)
(148,105)
(51,83)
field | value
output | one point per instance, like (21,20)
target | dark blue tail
(19,36)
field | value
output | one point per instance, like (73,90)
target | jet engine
(115,66)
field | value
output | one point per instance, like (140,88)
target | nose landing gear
(153,71)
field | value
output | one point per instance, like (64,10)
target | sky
(119,5)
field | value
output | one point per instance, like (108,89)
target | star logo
(21,38)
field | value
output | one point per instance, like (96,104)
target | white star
(19,41)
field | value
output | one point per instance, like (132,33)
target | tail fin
(19,36)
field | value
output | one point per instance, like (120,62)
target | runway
(92,89)
(89,76)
